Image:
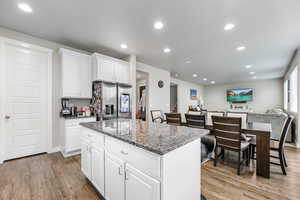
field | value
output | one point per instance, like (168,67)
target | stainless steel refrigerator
(111,100)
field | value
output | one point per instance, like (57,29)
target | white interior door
(26,116)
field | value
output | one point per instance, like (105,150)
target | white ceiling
(269,29)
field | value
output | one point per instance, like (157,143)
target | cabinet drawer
(94,137)
(144,161)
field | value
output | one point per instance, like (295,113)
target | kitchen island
(135,160)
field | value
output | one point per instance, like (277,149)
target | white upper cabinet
(110,69)
(76,74)
(122,72)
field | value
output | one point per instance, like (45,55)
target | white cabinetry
(86,166)
(98,168)
(127,172)
(139,186)
(114,178)
(110,69)
(71,135)
(76,74)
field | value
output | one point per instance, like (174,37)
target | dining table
(262,132)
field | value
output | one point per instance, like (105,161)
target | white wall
(267,94)
(159,98)
(183,96)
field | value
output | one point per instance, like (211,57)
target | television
(239,95)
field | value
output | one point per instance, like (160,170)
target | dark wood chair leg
(223,154)
(216,156)
(247,156)
(281,158)
(252,151)
(284,159)
(239,164)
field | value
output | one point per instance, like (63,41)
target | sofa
(274,116)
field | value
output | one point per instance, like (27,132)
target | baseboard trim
(54,150)
(69,154)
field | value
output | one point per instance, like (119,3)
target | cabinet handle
(124,153)
(126,175)
(120,171)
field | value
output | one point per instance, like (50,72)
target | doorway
(174,97)
(142,95)
(27,100)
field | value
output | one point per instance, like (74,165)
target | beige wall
(296,62)
(268,94)
(158,98)
(183,95)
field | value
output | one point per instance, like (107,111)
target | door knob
(7,117)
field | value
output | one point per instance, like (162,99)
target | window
(291,91)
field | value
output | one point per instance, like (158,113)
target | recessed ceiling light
(25,45)
(188,62)
(241,48)
(254,77)
(25,51)
(212,82)
(229,26)
(252,73)
(124,46)
(248,66)
(158,25)
(205,79)
(25,7)
(167,50)
(195,75)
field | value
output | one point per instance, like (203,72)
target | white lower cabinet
(121,171)
(86,165)
(139,186)
(97,163)
(114,178)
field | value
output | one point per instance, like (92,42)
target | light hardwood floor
(222,182)
(51,177)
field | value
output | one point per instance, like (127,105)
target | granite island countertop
(154,137)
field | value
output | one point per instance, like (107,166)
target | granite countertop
(154,137)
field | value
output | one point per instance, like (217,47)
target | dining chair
(227,131)
(173,118)
(195,121)
(157,116)
(209,114)
(278,147)
(242,115)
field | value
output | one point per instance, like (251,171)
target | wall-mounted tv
(239,95)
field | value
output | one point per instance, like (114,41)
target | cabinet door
(122,72)
(85,77)
(106,69)
(86,159)
(73,135)
(140,186)
(98,168)
(114,178)
(70,76)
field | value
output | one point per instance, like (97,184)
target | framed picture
(193,94)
